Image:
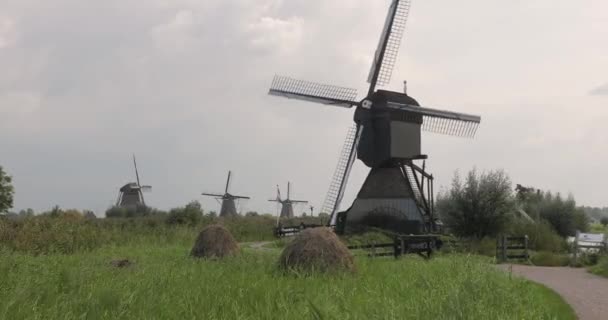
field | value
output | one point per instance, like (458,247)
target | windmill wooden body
(228,208)
(287,203)
(397,194)
(131,194)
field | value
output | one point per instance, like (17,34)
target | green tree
(563,214)
(191,214)
(6,191)
(478,207)
(604,221)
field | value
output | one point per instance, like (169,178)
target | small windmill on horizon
(228,208)
(287,203)
(131,194)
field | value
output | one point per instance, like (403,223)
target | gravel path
(259,245)
(585,292)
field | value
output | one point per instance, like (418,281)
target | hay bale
(214,241)
(317,249)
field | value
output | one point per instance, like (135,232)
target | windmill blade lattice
(340,178)
(441,121)
(313,92)
(390,41)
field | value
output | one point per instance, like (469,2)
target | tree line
(485,204)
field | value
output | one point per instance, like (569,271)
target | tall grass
(165,283)
(69,235)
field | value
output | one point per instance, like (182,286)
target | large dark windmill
(397,194)
(287,203)
(131,194)
(228,200)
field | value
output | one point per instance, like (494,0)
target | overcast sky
(183,83)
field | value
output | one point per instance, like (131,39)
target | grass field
(165,283)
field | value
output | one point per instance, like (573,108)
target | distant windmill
(287,203)
(131,194)
(228,204)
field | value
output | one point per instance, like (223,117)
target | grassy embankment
(59,269)
(165,283)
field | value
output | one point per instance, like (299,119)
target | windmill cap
(385,96)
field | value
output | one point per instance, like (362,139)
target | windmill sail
(313,92)
(340,178)
(388,46)
(228,182)
(441,121)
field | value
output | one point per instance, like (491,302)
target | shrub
(484,247)
(542,236)
(133,212)
(479,206)
(549,259)
(601,268)
(6,191)
(190,215)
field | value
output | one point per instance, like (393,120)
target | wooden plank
(517,256)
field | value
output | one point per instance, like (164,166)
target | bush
(542,236)
(549,259)
(484,247)
(6,191)
(133,212)
(189,215)
(601,268)
(563,215)
(479,207)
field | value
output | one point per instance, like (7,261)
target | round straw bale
(316,249)
(214,241)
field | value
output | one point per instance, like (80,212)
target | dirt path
(259,245)
(585,292)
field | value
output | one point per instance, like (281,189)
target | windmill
(131,194)
(287,203)
(228,200)
(397,194)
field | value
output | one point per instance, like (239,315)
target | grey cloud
(182,84)
(600,91)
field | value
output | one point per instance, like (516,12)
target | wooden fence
(423,245)
(511,248)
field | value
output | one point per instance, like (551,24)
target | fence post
(576,248)
(504,248)
(498,248)
(526,247)
(396,247)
